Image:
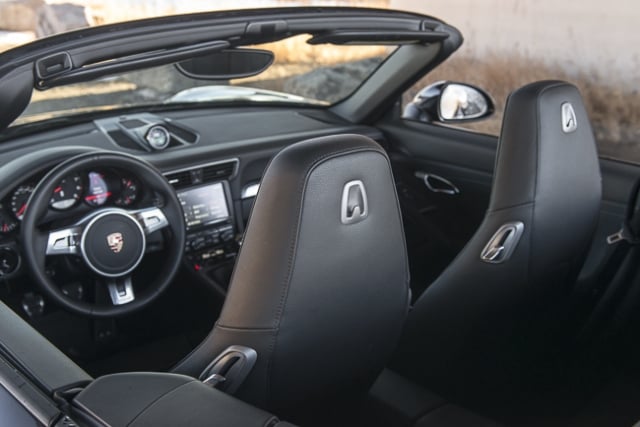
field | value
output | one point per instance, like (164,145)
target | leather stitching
(292,246)
(151,404)
(535,187)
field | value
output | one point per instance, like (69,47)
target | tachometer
(67,193)
(128,192)
(19,200)
(7,222)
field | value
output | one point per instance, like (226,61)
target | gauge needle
(57,189)
(96,196)
(22,209)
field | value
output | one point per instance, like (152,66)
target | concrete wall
(108,11)
(593,34)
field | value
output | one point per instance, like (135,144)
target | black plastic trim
(378,37)
(129,63)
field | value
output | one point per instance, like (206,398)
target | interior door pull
(438,184)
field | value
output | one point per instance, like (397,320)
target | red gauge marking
(57,189)
(21,211)
(98,196)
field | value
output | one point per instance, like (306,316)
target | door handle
(438,184)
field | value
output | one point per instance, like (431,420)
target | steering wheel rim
(35,242)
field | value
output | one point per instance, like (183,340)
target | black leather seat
(497,312)
(320,288)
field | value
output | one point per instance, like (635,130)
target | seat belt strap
(630,230)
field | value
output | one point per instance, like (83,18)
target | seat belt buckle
(624,234)
(614,238)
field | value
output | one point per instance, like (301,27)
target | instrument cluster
(92,189)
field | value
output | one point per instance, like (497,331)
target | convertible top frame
(86,54)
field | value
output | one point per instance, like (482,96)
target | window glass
(302,73)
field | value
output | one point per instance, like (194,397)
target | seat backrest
(492,312)
(320,288)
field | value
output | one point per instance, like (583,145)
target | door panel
(438,225)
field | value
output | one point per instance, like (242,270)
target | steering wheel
(111,241)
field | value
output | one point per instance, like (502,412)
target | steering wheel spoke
(65,241)
(121,290)
(151,219)
(110,241)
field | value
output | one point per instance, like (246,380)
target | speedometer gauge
(67,192)
(7,222)
(19,200)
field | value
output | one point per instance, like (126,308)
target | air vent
(218,172)
(180,179)
(203,174)
(123,140)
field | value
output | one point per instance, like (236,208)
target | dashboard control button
(198,243)
(226,235)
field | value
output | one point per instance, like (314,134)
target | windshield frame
(96,44)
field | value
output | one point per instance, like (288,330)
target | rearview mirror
(227,64)
(449,102)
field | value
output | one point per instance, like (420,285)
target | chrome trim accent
(569,121)
(112,211)
(246,358)
(616,237)
(213,380)
(151,219)
(120,298)
(64,241)
(503,243)
(359,212)
(427,178)
(249,191)
(161,129)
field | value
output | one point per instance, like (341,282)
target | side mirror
(227,64)
(449,102)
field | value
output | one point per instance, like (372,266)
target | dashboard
(213,158)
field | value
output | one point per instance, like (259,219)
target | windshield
(301,73)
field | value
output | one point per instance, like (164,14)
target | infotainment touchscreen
(204,205)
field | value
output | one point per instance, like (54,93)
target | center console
(160,399)
(211,245)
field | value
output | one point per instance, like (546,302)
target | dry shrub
(614,109)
